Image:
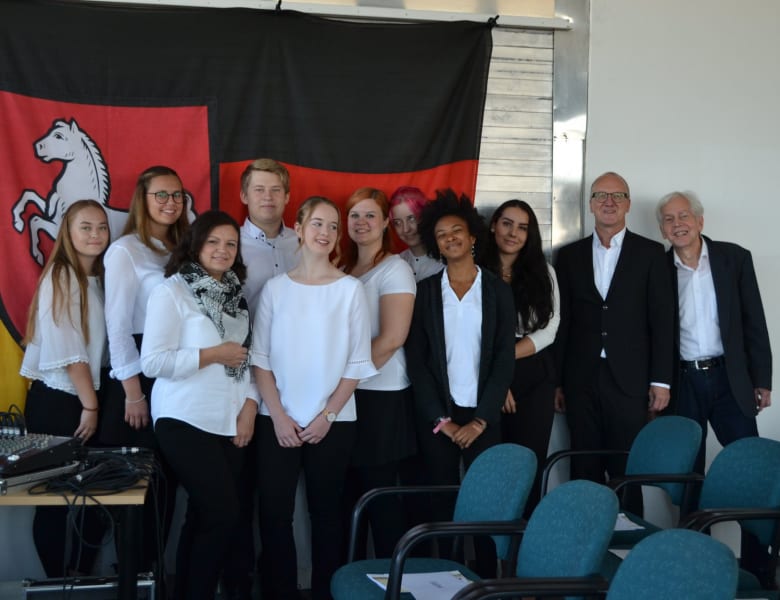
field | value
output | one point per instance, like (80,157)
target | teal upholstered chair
(490,500)
(675,564)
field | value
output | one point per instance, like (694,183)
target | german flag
(92,94)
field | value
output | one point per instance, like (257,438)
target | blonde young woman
(65,348)
(385,405)
(311,345)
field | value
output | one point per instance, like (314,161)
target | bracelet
(440,423)
(89,409)
(141,399)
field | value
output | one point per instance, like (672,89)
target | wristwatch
(329,415)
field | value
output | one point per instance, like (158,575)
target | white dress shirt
(57,345)
(132,271)
(546,335)
(422,266)
(176,330)
(265,258)
(310,337)
(699,325)
(463,339)
(391,276)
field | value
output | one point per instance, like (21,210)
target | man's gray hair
(696,206)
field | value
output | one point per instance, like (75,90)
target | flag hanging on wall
(90,95)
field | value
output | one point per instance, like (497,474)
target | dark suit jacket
(634,323)
(743,330)
(426,356)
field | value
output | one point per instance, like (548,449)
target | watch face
(330,416)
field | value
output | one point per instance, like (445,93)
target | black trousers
(324,467)
(602,417)
(58,413)
(208,467)
(533,389)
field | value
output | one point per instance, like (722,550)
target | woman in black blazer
(460,348)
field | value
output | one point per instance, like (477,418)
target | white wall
(684,95)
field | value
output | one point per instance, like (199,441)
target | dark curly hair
(447,203)
(188,249)
(531,283)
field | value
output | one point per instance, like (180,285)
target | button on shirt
(265,258)
(699,325)
(604,263)
(462,339)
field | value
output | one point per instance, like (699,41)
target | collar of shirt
(255,232)
(616,241)
(704,258)
(446,287)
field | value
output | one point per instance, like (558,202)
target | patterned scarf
(216,298)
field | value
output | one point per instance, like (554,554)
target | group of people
(247,355)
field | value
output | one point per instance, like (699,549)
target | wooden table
(129,503)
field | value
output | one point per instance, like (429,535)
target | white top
(132,272)
(699,324)
(422,266)
(265,258)
(545,336)
(55,346)
(463,339)
(175,331)
(391,276)
(310,337)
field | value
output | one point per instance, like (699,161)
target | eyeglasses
(617,197)
(162,196)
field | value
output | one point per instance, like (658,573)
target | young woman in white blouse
(312,344)
(134,267)
(514,252)
(406,205)
(385,405)
(65,348)
(196,343)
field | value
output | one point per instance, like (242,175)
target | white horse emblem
(84,176)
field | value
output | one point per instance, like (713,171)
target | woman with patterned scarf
(196,343)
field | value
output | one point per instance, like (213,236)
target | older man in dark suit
(723,353)
(615,340)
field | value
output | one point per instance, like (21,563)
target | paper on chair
(426,586)
(623,523)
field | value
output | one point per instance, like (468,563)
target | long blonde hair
(63,264)
(303,216)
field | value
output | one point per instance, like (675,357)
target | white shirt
(699,325)
(57,345)
(265,258)
(175,331)
(463,339)
(546,335)
(422,266)
(391,276)
(132,271)
(310,337)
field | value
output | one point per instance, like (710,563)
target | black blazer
(743,330)
(634,323)
(426,356)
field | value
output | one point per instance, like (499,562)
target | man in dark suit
(614,343)
(724,361)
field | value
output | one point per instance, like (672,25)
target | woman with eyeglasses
(514,252)
(134,266)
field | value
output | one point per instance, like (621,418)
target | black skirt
(385,427)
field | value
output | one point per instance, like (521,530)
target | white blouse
(391,276)
(57,345)
(132,272)
(422,266)
(463,339)
(545,336)
(310,337)
(175,331)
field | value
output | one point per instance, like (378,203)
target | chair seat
(625,540)
(350,581)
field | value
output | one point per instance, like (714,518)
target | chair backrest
(496,487)
(569,531)
(666,445)
(745,474)
(676,563)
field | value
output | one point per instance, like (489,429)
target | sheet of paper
(426,586)
(623,523)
